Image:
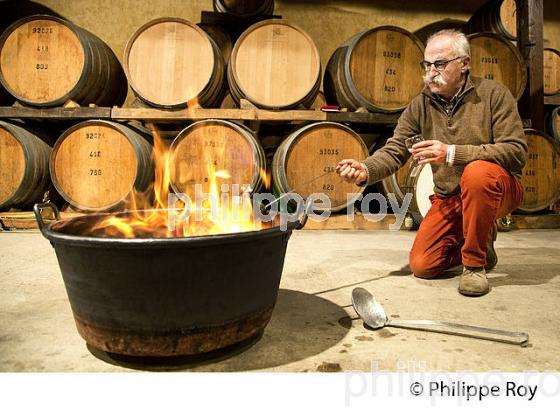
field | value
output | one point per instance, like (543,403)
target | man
(475,144)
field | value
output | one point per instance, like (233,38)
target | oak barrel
(244,8)
(552,121)
(173,63)
(378,69)
(497,16)
(311,151)
(215,145)
(495,58)
(551,71)
(275,65)
(540,177)
(46,61)
(96,164)
(24,166)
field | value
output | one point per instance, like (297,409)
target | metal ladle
(373,315)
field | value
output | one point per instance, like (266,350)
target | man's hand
(430,151)
(352,171)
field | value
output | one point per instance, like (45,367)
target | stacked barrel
(24,162)
(46,61)
(305,162)
(172,63)
(377,69)
(275,65)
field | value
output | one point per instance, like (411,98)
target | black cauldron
(168,296)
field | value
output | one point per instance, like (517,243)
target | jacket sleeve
(509,145)
(389,158)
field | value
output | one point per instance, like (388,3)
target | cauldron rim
(56,237)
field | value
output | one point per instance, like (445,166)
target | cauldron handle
(37,208)
(300,223)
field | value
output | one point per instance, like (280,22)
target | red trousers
(456,229)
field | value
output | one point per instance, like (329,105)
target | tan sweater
(484,125)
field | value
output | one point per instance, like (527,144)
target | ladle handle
(422,325)
(37,210)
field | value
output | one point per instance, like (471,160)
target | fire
(150,213)
(265,176)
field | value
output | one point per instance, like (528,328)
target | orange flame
(265,176)
(150,213)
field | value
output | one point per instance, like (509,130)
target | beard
(437,80)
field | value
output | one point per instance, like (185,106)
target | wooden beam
(530,44)
(552,99)
(364,117)
(56,113)
(251,114)
(163,115)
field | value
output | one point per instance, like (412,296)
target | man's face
(444,81)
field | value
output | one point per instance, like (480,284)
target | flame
(265,176)
(150,212)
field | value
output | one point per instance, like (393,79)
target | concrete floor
(314,327)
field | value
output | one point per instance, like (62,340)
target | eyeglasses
(438,64)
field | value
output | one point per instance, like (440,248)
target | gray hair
(459,40)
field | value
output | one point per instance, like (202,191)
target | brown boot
(491,256)
(473,282)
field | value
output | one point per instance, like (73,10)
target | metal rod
(293,190)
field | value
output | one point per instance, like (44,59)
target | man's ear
(466,64)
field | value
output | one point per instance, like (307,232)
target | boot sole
(472,293)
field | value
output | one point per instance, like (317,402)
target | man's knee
(420,266)
(479,174)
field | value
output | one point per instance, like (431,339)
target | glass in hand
(409,142)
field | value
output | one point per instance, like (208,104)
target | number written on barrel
(41,66)
(42,30)
(214,144)
(94,135)
(43,48)
(328,187)
(328,151)
(489,60)
(392,54)
(95,172)
(95,154)
(328,170)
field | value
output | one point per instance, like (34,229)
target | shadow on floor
(404,271)
(302,325)
(523,274)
